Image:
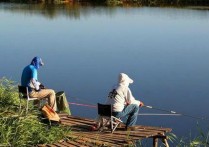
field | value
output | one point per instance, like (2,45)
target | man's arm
(131,99)
(36,84)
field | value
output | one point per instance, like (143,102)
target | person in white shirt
(122,101)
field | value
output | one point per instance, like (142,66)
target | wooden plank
(79,121)
(93,141)
(84,120)
(51,145)
(41,145)
(115,140)
(80,127)
(73,143)
(69,144)
(155,128)
(58,145)
(135,134)
(139,130)
(80,118)
(111,137)
(84,143)
(73,122)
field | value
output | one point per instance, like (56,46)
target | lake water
(164,50)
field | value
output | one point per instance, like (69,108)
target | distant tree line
(165,2)
(139,2)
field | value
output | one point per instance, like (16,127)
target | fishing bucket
(62,103)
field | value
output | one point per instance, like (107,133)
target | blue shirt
(28,73)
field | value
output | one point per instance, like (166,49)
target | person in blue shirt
(29,79)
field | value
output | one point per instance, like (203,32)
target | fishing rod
(144,114)
(175,113)
(169,112)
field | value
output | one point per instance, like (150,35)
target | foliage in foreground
(18,129)
(27,131)
(201,140)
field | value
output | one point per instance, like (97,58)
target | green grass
(201,140)
(18,129)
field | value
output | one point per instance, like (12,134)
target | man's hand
(141,104)
(42,86)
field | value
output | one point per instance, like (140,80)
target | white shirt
(123,98)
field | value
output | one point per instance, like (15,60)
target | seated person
(36,89)
(123,103)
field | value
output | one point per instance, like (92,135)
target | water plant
(201,140)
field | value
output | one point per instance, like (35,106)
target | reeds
(18,129)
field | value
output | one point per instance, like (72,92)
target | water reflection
(71,10)
(77,10)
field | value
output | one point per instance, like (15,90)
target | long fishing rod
(169,112)
(177,114)
(142,114)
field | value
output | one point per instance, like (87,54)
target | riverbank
(200,4)
(18,129)
(198,7)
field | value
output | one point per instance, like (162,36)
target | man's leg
(132,118)
(131,112)
(46,93)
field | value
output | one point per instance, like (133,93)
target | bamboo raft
(82,135)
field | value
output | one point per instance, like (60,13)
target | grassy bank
(17,129)
(119,2)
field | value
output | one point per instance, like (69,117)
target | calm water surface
(165,51)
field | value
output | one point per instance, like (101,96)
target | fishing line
(158,114)
(85,105)
(177,114)
(81,100)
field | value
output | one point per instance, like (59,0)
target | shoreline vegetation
(198,4)
(18,129)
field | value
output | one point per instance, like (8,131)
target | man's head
(124,78)
(37,62)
